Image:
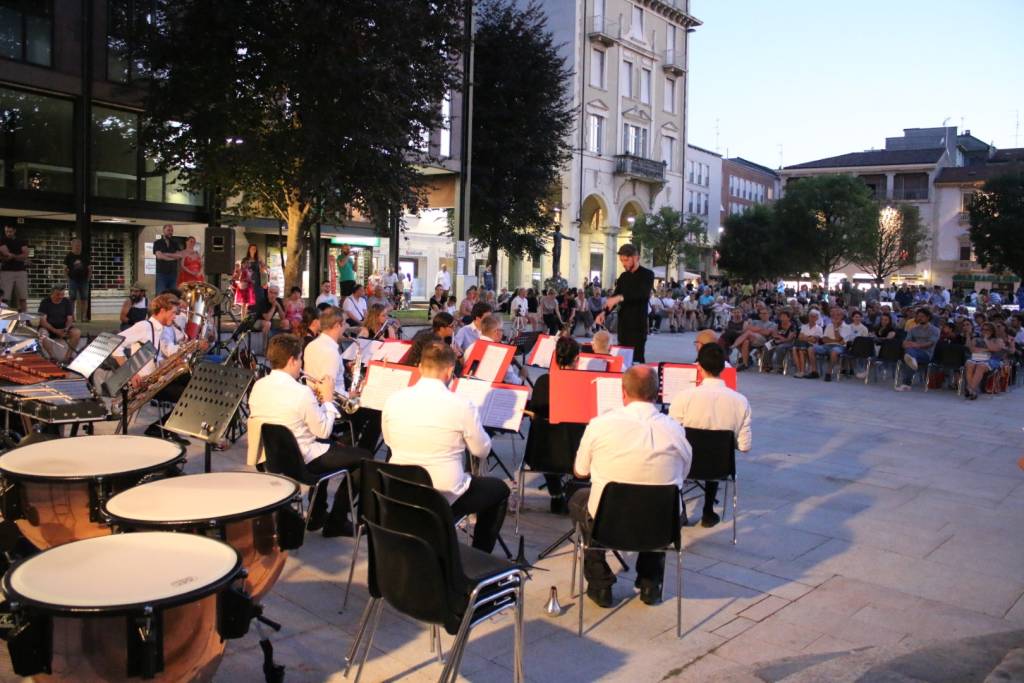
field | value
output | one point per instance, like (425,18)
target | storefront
(1005,284)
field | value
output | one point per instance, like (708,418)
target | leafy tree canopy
(997,223)
(667,236)
(754,247)
(897,238)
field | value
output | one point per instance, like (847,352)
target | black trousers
(487,497)
(632,331)
(338,457)
(710,493)
(552,323)
(650,567)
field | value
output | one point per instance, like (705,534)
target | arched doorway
(593,221)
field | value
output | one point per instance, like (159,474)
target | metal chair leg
(353,650)
(735,498)
(519,674)
(520,485)
(575,557)
(352,566)
(582,599)
(679,589)
(369,640)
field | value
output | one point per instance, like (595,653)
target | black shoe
(334,529)
(602,597)
(813,375)
(828,377)
(317,518)
(650,593)
(710,519)
(559,505)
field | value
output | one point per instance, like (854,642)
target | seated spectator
(58,323)
(833,342)
(135,308)
(803,349)
(354,307)
(919,346)
(755,334)
(985,350)
(326,297)
(886,329)
(781,341)
(437,302)
(466,307)
(655,310)
(733,328)
(293,308)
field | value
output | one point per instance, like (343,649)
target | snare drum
(251,511)
(149,605)
(53,489)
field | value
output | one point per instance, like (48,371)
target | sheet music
(609,394)
(545,350)
(490,364)
(365,348)
(499,408)
(391,352)
(381,383)
(674,380)
(598,364)
(626,352)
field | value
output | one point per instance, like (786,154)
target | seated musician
(491,330)
(635,444)
(553,445)
(279,398)
(712,405)
(430,426)
(59,321)
(377,325)
(162,311)
(602,343)
(470,332)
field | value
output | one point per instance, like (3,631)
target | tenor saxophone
(172,367)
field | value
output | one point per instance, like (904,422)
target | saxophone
(350,404)
(172,367)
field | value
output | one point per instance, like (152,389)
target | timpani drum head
(123,572)
(88,457)
(202,497)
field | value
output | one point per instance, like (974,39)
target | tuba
(170,369)
(200,298)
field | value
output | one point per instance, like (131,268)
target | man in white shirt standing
(280,399)
(712,405)
(635,444)
(430,426)
(444,280)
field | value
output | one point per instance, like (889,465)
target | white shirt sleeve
(319,418)
(581,467)
(743,437)
(477,441)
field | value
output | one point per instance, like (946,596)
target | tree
(668,237)
(827,219)
(997,223)
(753,246)
(895,239)
(300,110)
(522,120)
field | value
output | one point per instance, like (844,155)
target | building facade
(934,169)
(746,184)
(702,194)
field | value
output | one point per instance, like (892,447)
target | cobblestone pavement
(879,540)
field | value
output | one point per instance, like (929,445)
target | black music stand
(93,356)
(119,380)
(208,404)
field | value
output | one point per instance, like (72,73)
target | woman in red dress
(191,264)
(242,279)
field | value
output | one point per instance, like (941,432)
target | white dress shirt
(354,308)
(444,279)
(846,333)
(713,405)
(321,358)
(632,445)
(149,330)
(466,336)
(428,425)
(280,399)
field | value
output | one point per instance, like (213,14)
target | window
(634,140)
(700,173)
(115,162)
(26,31)
(707,198)
(670,96)
(126,20)
(626,78)
(446,125)
(965,201)
(36,151)
(668,152)
(597,68)
(965,252)
(595,133)
(690,175)
(636,27)
(670,44)
(645,86)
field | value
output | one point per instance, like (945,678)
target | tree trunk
(295,249)
(492,258)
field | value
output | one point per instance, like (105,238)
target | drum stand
(208,404)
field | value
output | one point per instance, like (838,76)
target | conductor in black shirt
(632,294)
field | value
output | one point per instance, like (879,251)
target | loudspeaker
(219,253)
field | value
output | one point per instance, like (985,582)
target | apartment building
(629,65)
(702,195)
(746,184)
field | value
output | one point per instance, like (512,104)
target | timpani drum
(152,605)
(53,489)
(251,511)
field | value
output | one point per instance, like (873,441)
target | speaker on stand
(219,261)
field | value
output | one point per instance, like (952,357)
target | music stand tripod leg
(564,538)
(499,463)
(208,457)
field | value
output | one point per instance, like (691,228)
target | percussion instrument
(28,368)
(149,605)
(53,489)
(251,511)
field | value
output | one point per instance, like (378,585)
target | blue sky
(826,77)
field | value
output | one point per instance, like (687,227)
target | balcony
(674,62)
(603,30)
(639,168)
(964,218)
(910,195)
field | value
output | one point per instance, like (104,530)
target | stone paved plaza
(879,540)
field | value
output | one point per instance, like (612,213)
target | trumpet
(347,404)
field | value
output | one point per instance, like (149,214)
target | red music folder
(488,360)
(542,351)
(383,380)
(581,395)
(599,362)
(623,352)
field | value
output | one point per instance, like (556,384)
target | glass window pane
(35,141)
(10,33)
(115,167)
(38,33)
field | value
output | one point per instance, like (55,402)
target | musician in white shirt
(491,330)
(468,334)
(162,311)
(322,357)
(712,405)
(635,444)
(430,426)
(280,399)
(355,307)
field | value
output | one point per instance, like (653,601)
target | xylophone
(54,402)
(28,368)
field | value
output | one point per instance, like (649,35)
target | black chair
(890,352)
(544,444)
(283,456)
(369,481)
(861,349)
(714,459)
(423,572)
(636,518)
(948,358)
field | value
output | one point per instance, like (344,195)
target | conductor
(632,293)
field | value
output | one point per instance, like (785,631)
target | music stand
(95,354)
(209,403)
(119,380)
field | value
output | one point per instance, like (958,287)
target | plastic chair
(861,349)
(889,353)
(283,456)
(948,358)
(424,573)
(636,518)
(714,459)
